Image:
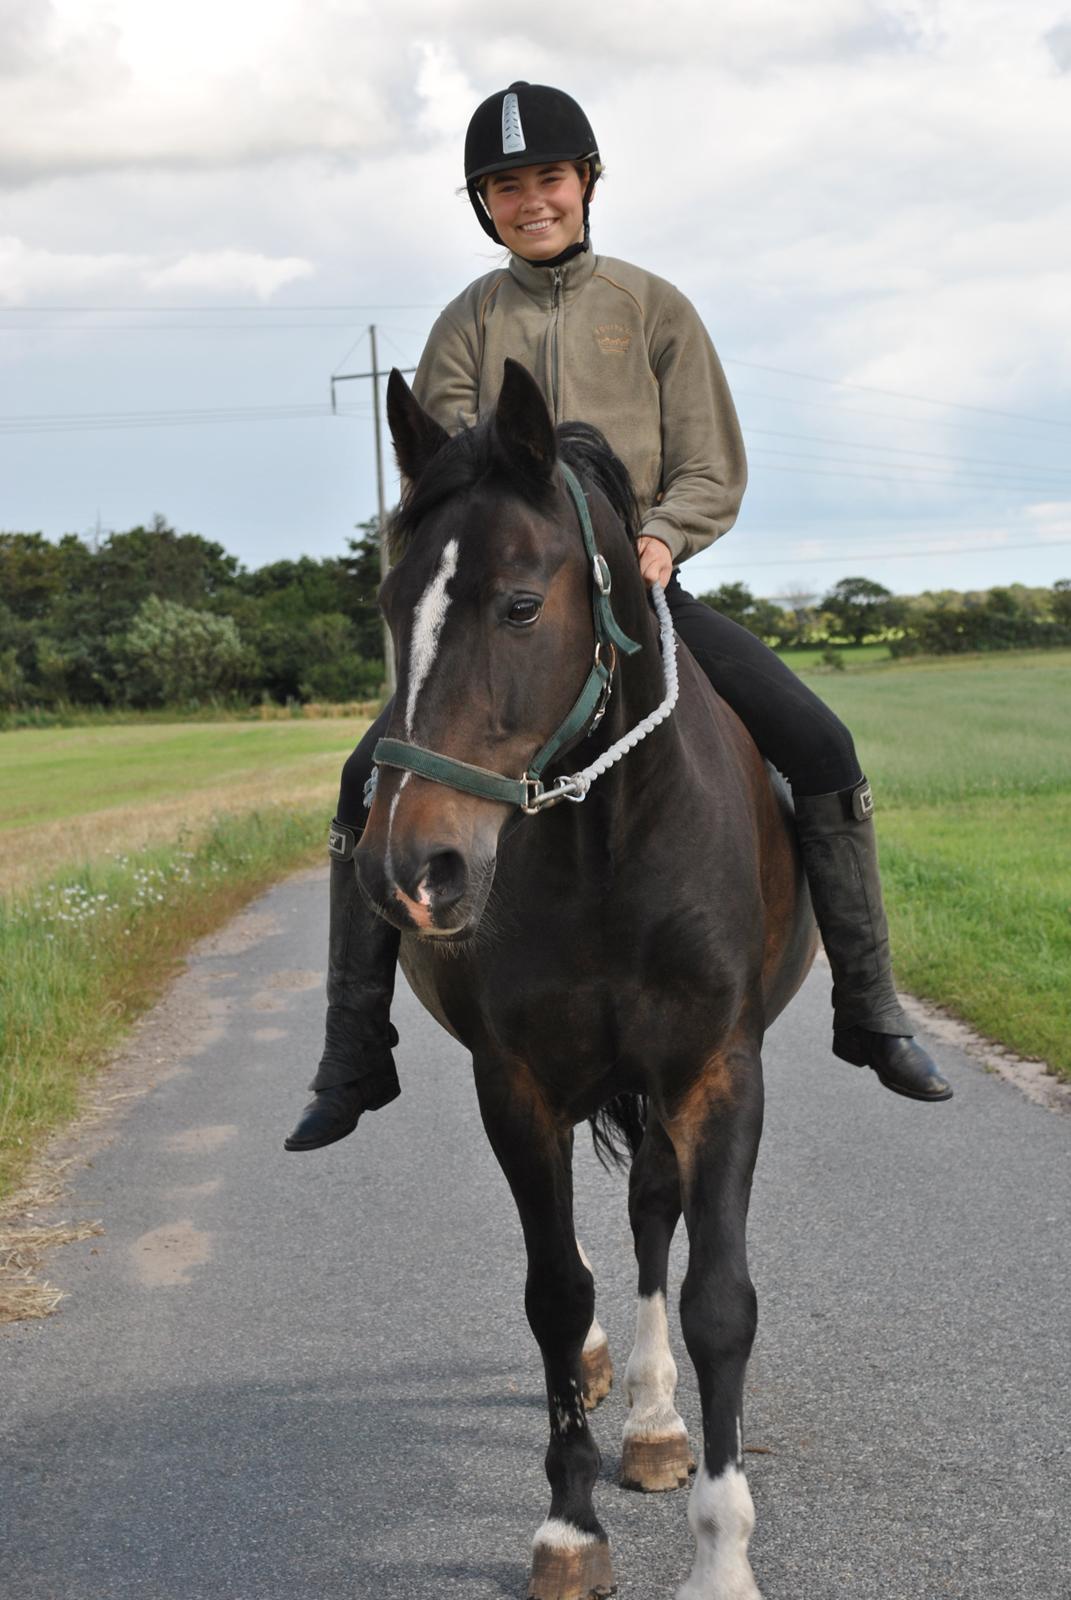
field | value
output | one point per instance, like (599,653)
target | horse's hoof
(656,1465)
(597,1371)
(561,1572)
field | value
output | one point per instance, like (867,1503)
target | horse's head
(490,610)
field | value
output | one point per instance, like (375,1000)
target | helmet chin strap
(570,251)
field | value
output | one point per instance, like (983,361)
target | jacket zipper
(556,310)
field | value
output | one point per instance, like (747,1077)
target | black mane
(472,457)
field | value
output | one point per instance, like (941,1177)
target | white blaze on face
(651,1375)
(428,619)
(721,1516)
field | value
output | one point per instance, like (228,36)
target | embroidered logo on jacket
(512,132)
(612,338)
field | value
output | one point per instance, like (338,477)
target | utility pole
(388,642)
(381,509)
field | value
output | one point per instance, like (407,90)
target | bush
(171,654)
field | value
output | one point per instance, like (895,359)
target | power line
(1024,486)
(897,394)
(412,305)
(123,421)
(857,556)
(903,450)
(167,327)
(937,478)
(846,404)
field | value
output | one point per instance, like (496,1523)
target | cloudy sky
(203,207)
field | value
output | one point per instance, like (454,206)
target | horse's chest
(577,991)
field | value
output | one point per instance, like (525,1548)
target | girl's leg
(356,1071)
(803,739)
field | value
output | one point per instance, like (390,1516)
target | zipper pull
(557,286)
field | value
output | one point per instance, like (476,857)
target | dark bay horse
(617,959)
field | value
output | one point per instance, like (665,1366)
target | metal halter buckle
(535,794)
(568,787)
(600,573)
(608,687)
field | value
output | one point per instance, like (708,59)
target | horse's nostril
(445,878)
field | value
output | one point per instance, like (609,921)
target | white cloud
(228,272)
(34,275)
(1051,522)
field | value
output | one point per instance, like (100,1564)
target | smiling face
(537,211)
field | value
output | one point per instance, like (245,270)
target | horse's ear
(524,432)
(417,437)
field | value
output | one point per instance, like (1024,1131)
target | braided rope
(667,641)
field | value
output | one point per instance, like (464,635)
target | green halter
(528,792)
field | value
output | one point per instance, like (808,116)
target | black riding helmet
(528,125)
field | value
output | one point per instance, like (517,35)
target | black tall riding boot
(356,1071)
(870,1028)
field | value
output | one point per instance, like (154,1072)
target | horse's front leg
(570,1551)
(655,1451)
(715,1129)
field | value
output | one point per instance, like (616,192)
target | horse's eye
(523,612)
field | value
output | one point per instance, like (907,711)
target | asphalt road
(283,1376)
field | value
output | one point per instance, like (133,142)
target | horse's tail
(617,1129)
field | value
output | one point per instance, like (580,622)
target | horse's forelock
(472,456)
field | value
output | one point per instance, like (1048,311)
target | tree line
(153,617)
(937,622)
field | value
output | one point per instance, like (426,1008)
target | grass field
(72,795)
(142,836)
(971,766)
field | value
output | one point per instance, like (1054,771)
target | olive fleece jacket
(611,345)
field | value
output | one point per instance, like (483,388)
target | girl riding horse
(612,345)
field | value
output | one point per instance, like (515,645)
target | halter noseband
(529,792)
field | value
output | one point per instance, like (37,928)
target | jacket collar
(539,281)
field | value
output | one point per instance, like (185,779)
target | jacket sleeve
(704,468)
(447,382)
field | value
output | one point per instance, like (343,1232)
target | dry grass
(22,1296)
(40,850)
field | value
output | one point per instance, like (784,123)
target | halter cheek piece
(529,792)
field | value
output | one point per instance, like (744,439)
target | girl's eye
(523,612)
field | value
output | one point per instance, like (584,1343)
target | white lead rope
(577,784)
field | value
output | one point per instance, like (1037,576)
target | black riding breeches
(794,730)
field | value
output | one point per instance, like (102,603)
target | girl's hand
(656,560)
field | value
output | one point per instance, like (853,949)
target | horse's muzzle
(433,890)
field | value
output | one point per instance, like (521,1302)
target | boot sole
(290,1143)
(855,1060)
(911,1094)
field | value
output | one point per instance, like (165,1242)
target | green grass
(971,766)
(48,774)
(87,950)
(807,657)
(986,726)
